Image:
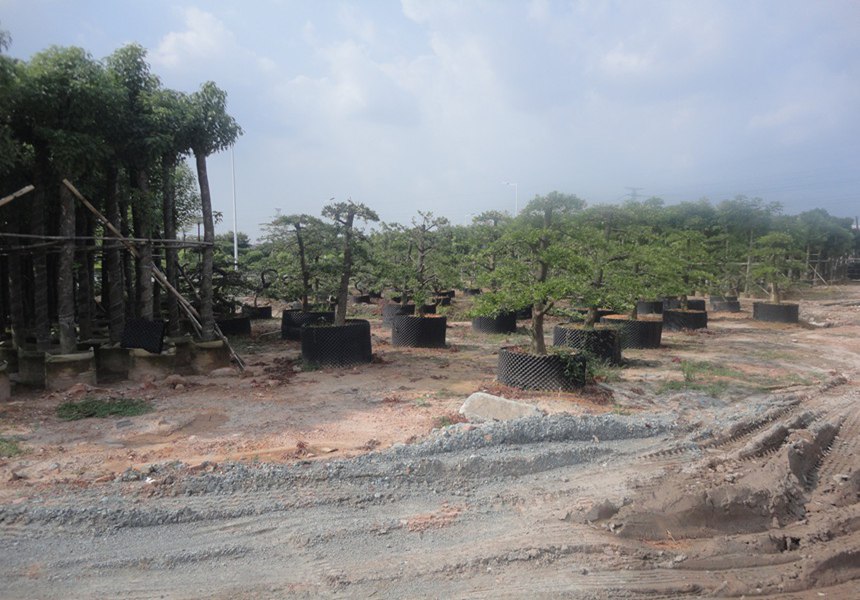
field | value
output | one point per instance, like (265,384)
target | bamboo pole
(24,190)
(160,277)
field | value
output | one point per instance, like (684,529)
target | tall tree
(142,140)
(210,130)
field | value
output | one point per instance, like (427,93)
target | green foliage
(777,254)
(210,129)
(103,407)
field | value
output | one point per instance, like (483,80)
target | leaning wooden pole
(160,277)
(24,190)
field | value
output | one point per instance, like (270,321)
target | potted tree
(688,270)
(597,286)
(391,258)
(302,242)
(424,330)
(775,258)
(347,341)
(633,277)
(535,267)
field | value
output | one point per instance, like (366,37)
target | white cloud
(204,37)
(622,62)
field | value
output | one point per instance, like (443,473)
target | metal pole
(235,227)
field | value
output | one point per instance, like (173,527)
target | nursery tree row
(559,249)
(111,129)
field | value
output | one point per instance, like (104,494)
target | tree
(537,261)
(425,241)
(777,255)
(301,247)
(56,112)
(744,219)
(482,255)
(210,130)
(344,215)
(141,139)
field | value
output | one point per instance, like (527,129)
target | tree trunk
(748,276)
(207,315)
(128,271)
(346,273)
(171,254)
(114,263)
(143,229)
(306,274)
(66,274)
(41,316)
(16,301)
(85,274)
(538,341)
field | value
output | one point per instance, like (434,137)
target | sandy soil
(246,486)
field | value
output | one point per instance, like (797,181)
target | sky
(458,107)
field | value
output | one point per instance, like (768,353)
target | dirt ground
(723,464)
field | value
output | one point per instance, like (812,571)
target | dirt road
(724,465)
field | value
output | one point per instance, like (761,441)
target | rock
(174,380)
(223,372)
(480,407)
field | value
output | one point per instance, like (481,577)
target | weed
(421,403)
(309,367)
(9,448)
(448,419)
(603,370)
(103,407)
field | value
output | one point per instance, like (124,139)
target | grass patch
(103,407)
(707,377)
(9,448)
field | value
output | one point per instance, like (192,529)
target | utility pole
(634,192)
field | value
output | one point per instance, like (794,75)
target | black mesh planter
(337,345)
(257,312)
(451,293)
(360,299)
(235,326)
(641,333)
(649,307)
(389,311)
(472,292)
(676,320)
(602,342)
(775,313)
(418,332)
(443,300)
(601,312)
(146,334)
(725,304)
(429,309)
(692,304)
(292,322)
(524,313)
(540,372)
(504,323)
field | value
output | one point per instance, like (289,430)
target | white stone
(480,407)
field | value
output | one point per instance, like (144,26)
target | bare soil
(723,464)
